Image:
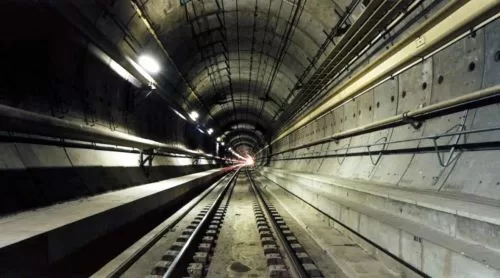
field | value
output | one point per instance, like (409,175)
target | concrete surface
(388,228)
(305,226)
(47,235)
(146,263)
(44,175)
(441,219)
(238,252)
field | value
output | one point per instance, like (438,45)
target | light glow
(210,131)
(219,139)
(194,115)
(149,64)
(249,161)
(236,154)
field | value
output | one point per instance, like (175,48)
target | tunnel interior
(379,118)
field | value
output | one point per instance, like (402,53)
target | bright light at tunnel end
(249,161)
(149,64)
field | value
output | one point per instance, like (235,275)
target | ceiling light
(210,131)
(194,115)
(222,143)
(179,114)
(218,139)
(149,64)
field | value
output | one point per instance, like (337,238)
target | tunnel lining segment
(434,31)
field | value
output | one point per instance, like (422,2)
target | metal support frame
(334,32)
(476,99)
(452,148)
(451,155)
(146,160)
(411,120)
(439,30)
(380,152)
(43,129)
(209,47)
(377,16)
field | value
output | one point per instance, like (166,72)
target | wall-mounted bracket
(196,160)
(140,95)
(452,155)
(374,162)
(412,121)
(146,160)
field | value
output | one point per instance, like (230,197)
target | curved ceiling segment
(242,57)
(256,137)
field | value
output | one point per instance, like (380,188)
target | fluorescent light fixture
(200,130)
(210,131)
(179,114)
(194,115)
(103,57)
(149,64)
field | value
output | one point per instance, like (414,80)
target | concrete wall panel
(485,181)
(460,67)
(491,75)
(385,99)
(10,157)
(411,249)
(339,119)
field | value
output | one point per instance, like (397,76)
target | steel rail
(174,268)
(126,264)
(296,266)
(387,252)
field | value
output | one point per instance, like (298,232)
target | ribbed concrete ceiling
(243,58)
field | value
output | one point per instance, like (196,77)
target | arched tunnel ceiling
(242,58)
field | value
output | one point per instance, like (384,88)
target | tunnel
(249,138)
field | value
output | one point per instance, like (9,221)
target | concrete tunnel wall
(48,68)
(442,220)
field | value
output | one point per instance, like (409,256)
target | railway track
(232,229)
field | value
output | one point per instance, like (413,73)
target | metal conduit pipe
(475,99)
(437,30)
(18,120)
